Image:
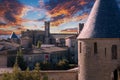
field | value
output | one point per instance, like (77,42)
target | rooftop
(13,35)
(49,49)
(72,37)
(103,21)
(6,46)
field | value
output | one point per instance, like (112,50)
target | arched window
(114,51)
(95,48)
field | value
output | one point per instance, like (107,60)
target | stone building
(31,56)
(6,48)
(35,35)
(45,36)
(47,53)
(26,42)
(99,43)
(71,42)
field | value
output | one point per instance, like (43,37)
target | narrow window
(80,47)
(114,51)
(95,48)
(105,52)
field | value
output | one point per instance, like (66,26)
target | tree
(39,44)
(27,74)
(36,72)
(6,76)
(11,61)
(37,67)
(17,74)
(45,65)
(20,60)
(63,64)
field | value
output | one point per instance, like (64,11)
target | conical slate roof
(13,35)
(103,21)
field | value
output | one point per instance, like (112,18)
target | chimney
(81,25)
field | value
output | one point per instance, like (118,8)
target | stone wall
(100,65)
(3,61)
(61,75)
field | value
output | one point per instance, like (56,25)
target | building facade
(45,36)
(71,42)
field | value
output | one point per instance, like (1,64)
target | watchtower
(99,43)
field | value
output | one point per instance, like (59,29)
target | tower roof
(103,21)
(13,35)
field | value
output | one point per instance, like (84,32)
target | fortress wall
(97,66)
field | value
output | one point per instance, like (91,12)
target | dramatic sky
(64,15)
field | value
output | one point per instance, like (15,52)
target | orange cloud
(64,12)
(68,8)
(69,30)
(7,32)
(11,12)
(65,20)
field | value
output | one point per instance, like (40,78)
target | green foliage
(37,67)
(39,44)
(17,74)
(45,65)
(6,76)
(11,61)
(20,60)
(36,72)
(63,64)
(16,67)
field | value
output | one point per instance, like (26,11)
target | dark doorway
(115,75)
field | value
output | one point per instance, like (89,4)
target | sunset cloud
(68,10)
(64,15)
(69,30)
(11,12)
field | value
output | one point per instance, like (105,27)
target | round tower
(99,43)
(26,42)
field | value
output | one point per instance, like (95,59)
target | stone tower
(80,27)
(47,32)
(99,43)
